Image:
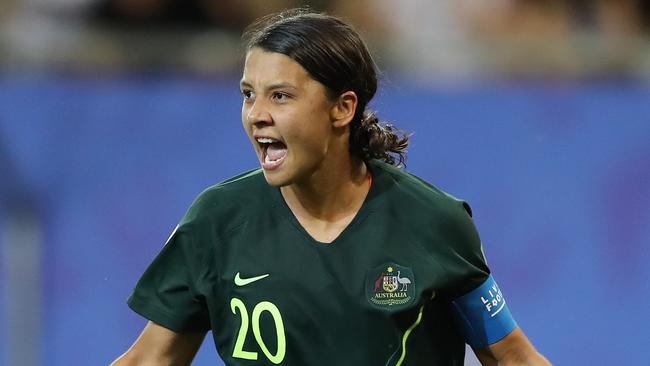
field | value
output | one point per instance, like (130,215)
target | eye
(280,96)
(247,94)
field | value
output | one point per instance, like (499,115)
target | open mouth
(273,152)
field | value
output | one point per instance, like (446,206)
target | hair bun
(371,139)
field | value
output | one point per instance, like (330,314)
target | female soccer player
(328,254)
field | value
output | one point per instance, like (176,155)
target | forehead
(263,68)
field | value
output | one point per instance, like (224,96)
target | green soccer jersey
(241,265)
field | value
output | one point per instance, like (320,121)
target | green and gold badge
(390,286)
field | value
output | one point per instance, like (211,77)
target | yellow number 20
(238,351)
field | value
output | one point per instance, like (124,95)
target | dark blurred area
(430,39)
(197,15)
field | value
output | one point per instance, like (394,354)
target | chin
(276,180)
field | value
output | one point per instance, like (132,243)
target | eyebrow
(280,85)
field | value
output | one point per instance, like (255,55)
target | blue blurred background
(114,115)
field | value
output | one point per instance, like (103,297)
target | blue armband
(483,315)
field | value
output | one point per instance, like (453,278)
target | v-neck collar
(380,182)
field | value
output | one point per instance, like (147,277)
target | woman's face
(287,116)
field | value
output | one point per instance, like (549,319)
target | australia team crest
(390,286)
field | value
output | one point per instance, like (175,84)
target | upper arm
(158,345)
(513,349)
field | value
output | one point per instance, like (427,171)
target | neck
(331,193)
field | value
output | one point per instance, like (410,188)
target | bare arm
(158,345)
(513,350)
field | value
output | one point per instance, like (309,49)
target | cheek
(244,113)
(305,127)
(320,126)
(312,136)
(248,127)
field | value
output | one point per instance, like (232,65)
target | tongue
(276,151)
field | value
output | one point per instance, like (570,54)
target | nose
(258,114)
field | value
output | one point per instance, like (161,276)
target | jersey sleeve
(165,294)
(463,260)
(477,301)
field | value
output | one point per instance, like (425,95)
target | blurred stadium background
(114,114)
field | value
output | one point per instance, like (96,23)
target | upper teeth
(265,140)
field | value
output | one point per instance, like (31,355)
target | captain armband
(483,315)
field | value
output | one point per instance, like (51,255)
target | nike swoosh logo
(245,281)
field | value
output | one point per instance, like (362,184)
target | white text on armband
(495,302)
(483,316)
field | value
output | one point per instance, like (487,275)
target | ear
(342,111)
